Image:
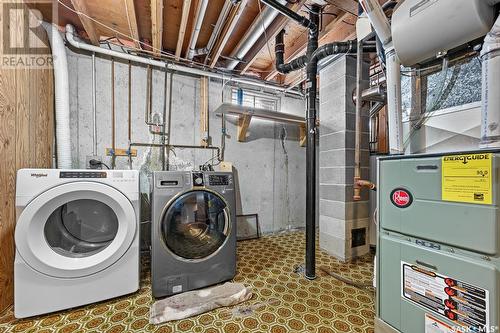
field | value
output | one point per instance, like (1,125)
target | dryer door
(75,229)
(196,224)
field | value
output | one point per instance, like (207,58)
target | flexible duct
(70,32)
(490,115)
(61,92)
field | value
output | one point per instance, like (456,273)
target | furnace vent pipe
(263,22)
(380,23)
(61,92)
(70,32)
(202,8)
(490,113)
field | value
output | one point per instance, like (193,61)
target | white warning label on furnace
(457,301)
(432,325)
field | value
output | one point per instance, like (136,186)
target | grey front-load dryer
(193,232)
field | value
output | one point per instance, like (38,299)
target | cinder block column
(343,223)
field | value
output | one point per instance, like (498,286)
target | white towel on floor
(195,302)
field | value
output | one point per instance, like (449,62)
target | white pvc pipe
(394,107)
(382,27)
(194,36)
(61,92)
(378,19)
(490,113)
(70,31)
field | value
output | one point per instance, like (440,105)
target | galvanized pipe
(94,109)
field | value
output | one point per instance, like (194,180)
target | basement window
(256,100)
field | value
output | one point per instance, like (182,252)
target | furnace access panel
(438,243)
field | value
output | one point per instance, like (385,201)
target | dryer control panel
(82,174)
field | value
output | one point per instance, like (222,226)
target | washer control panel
(219,180)
(82,174)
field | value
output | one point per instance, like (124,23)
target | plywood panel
(26,134)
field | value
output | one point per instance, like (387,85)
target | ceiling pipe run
(226,9)
(262,22)
(76,43)
(200,15)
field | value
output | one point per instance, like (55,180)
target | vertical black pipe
(312,135)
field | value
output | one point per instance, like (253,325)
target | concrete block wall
(338,213)
(271,182)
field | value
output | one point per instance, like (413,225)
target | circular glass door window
(195,225)
(81,228)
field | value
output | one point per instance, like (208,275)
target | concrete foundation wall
(271,181)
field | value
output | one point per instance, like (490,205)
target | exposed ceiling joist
(299,46)
(132,21)
(279,24)
(87,23)
(157,25)
(348,6)
(228,30)
(182,29)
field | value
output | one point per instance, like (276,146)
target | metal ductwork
(261,23)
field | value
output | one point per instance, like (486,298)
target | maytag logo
(39,175)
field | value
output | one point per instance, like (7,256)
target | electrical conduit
(61,92)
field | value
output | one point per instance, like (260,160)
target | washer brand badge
(464,159)
(401,198)
(39,175)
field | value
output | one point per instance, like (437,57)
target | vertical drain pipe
(312,138)
(113,117)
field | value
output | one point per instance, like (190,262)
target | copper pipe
(358,129)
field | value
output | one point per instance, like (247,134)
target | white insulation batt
(195,302)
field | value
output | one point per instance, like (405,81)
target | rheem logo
(401,198)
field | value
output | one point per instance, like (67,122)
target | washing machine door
(75,229)
(196,224)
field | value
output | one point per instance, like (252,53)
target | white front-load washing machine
(77,238)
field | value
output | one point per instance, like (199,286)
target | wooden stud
(243,123)
(182,29)
(204,111)
(348,6)
(132,21)
(228,31)
(88,24)
(157,25)
(302,135)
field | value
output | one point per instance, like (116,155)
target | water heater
(438,243)
(423,28)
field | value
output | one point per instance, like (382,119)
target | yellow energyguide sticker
(467,178)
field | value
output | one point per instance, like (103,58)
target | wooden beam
(299,46)
(232,20)
(279,24)
(182,29)
(348,6)
(132,22)
(87,23)
(243,123)
(157,25)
